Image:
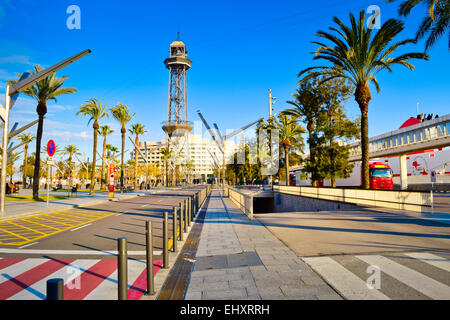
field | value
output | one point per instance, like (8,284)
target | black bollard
(149,251)
(55,289)
(122,269)
(175,230)
(181,221)
(165,241)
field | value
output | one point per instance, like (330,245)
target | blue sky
(239,49)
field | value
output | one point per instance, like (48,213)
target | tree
(47,89)
(358,57)
(335,129)
(122,114)
(94,109)
(10,170)
(137,129)
(290,137)
(104,131)
(25,138)
(435,23)
(166,154)
(70,150)
(308,103)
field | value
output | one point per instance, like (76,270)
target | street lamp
(11,94)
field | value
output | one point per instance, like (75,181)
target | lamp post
(11,93)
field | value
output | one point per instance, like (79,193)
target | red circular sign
(51,148)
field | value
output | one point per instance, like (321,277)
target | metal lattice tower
(178,64)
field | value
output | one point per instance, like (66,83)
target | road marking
(432,259)
(27,245)
(81,227)
(68,273)
(74,252)
(412,278)
(122,213)
(344,281)
(144,205)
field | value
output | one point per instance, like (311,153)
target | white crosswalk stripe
(344,281)
(348,284)
(432,259)
(411,278)
(19,268)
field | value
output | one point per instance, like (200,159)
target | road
(79,245)
(344,248)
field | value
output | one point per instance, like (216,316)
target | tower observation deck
(178,64)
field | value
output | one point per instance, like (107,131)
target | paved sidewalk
(20,208)
(241,259)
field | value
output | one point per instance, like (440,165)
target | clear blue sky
(239,49)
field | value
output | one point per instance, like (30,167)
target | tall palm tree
(104,131)
(435,23)
(47,89)
(166,155)
(25,138)
(96,111)
(137,129)
(290,137)
(70,150)
(358,57)
(122,114)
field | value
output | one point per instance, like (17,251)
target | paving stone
(224,294)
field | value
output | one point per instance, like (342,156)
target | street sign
(51,148)
(50,161)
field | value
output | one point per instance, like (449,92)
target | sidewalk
(21,208)
(241,259)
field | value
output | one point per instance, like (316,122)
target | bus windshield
(381,173)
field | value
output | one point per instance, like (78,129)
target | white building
(202,153)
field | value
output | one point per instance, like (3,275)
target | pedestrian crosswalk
(409,275)
(84,279)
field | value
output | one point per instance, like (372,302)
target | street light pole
(11,92)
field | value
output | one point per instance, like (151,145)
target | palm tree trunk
(70,170)
(25,161)
(123,131)
(286,156)
(103,178)
(362,97)
(135,161)
(91,189)
(37,162)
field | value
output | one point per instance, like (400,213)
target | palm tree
(435,23)
(166,155)
(122,114)
(96,111)
(25,138)
(70,150)
(358,57)
(137,129)
(47,89)
(290,137)
(104,131)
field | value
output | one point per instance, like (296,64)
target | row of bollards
(182,216)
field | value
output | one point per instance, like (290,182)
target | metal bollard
(185,217)
(181,221)
(149,256)
(190,209)
(188,218)
(175,229)
(55,289)
(122,269)
(192,206)
(165,241)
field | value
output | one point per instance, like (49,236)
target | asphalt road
(346,247)
(126,218)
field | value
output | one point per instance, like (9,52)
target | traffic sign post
(112,173)
(51,149)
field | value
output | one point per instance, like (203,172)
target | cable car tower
(178,63)
(177,127)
